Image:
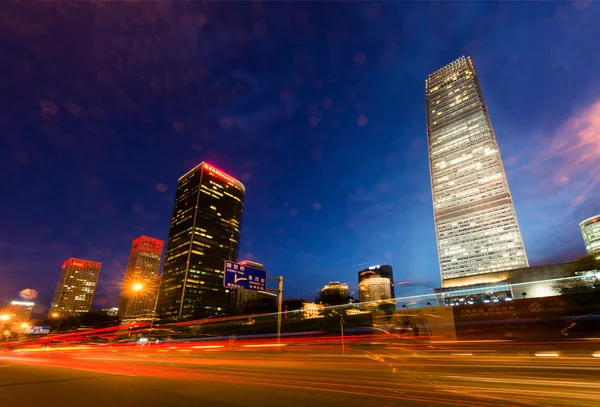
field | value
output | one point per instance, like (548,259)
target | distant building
(376,283)
(141,282)
(334,293)
(526,282)
(20,311)
(475,221)
(372,290)
(590,229)
(311,310)
(111,312)
(205,231)
(254,301)
(75,288)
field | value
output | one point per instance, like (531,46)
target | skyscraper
(140,286)
(375,283)
(204,232)
(75,288)
(590,230)
(476,224)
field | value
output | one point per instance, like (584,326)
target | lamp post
(138,287)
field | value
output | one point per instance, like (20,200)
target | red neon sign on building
(219,174)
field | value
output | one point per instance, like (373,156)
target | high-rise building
(476,224)
(204,232)
(384,271)
(20,311)
(374,289)
(590,229)
(75,288)
(334,293)
(140,286)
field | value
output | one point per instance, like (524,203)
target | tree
(584,284)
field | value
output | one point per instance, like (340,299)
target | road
(172,377)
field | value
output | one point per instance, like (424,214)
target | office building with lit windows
(590,229)
(204,232)
(476,224)
(75,288)
(334,293)
(374,284)
(20,311)
(140,285)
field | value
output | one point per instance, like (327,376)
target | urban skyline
(354,141)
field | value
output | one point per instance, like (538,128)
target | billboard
(37,330)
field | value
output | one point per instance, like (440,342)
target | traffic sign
(37,330)
(243,276)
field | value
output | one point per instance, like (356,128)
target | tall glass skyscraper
(204,232)
(140,285)
(476,224)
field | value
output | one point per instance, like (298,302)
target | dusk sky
(318,108)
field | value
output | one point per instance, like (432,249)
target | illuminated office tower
(476,224)
(75,288)
(204,232)
(375,283)
(590,229)
(140,286)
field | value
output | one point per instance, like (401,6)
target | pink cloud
(575,152)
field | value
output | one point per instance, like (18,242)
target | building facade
(476,224)
(334,293)
(205,231)
(141,282)
(528,282)
(20,311)
(75,288)
(590,229)
(312,310)
(374,290)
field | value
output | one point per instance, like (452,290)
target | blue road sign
(242,276)
(37,330)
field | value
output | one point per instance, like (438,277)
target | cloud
(575,152)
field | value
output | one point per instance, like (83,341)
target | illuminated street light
(4,318)
(55,315)
(24,325)
(137,287)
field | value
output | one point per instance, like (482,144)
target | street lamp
(137,287)
(4,318)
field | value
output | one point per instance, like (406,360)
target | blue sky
(318,108)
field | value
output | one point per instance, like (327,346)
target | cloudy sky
(318,108)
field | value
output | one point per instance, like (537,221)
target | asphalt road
(282,379)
